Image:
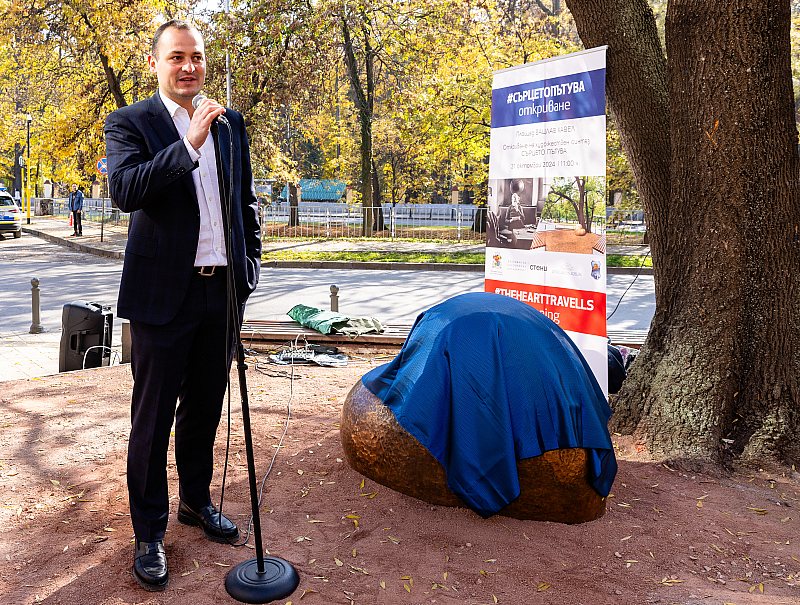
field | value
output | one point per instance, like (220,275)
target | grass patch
(628,260)
(470,258)
(367,256)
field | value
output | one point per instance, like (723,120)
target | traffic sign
(101,166)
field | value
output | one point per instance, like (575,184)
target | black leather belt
(210,270)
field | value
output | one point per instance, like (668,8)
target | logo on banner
(517,265)
(496,261)
(595,269)
(566,269)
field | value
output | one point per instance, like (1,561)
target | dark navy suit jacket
(150,176)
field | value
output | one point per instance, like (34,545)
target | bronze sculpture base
(554,486)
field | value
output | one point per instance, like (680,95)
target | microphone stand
(258,580)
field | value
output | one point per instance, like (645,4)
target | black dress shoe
(150,565)
(216,526)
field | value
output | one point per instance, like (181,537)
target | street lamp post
(28,120)
(228,63)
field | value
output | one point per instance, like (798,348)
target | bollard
(335,299)
(36,326)
(126,342)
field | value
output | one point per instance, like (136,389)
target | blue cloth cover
(484,380)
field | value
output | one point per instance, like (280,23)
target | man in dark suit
(162,169)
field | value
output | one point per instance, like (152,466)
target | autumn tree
(360,47)
(278,51)
(69,64)
(710,133)
(399,60)
(431,67)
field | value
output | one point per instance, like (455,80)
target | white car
(10,215)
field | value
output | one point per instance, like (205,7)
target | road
(63,276)
(390,296)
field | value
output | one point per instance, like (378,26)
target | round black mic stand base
(245,584)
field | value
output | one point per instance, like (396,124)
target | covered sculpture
(489,404)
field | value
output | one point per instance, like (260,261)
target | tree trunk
(364,101)
(479,220)
(581,205)
(294,195)
(18,151)
(112,80)
(378,222)
(716,165)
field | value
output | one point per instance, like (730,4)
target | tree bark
(711,138)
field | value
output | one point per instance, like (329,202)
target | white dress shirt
(211,243)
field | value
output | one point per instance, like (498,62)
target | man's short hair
(177,24)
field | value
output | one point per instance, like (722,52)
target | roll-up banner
(545,228)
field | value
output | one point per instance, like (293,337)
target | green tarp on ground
(317,319)
(328,321)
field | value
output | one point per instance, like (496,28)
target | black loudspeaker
(85,337)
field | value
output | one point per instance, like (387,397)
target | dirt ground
(668,536)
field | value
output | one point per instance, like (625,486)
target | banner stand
(545,228)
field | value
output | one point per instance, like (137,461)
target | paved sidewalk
(24,355)
(57,230)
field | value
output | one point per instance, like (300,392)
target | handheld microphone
(198,100)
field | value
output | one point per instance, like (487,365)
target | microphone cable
(233,328)
(231,300)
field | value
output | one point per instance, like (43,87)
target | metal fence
(95,210)
(320,220)
(403,221)
(625,226)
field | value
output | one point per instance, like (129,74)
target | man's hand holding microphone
(206,111)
